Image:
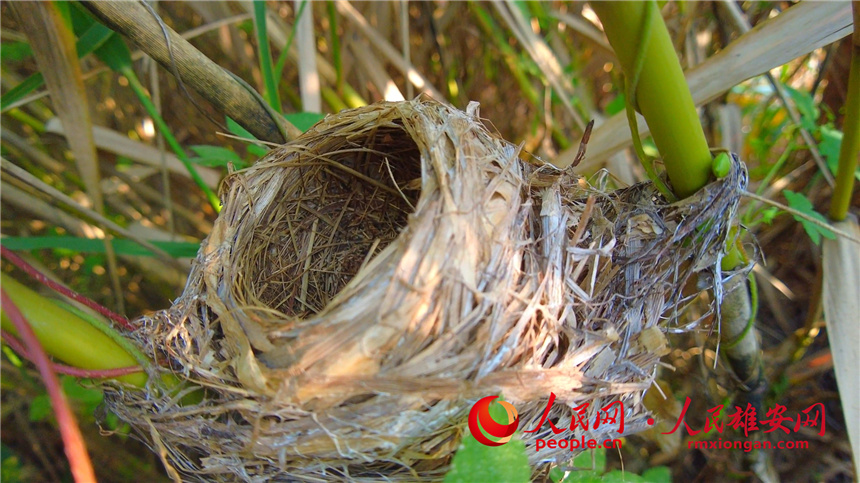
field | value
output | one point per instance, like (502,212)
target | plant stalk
(658,89)
(849,153)
(66,336)
(661,92)
(73,440)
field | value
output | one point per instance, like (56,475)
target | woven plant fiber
(365,284)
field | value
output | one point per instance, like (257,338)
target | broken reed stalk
(366,284)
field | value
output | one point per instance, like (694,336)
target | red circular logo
(479,417)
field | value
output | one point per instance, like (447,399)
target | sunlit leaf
(768,214)
(831,141)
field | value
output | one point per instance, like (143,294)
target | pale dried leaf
(841,300)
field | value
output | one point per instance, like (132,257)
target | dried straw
(365,284)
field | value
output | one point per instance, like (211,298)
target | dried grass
(365,284)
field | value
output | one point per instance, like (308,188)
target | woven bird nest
(365,284)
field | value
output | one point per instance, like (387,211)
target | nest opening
(354,200)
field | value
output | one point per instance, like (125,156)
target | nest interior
(365,284)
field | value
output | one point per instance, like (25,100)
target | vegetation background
(348,54)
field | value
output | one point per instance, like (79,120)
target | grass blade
(88,245)
(285,51)
(269,79)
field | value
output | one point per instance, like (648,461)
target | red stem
(73,441)
(18,347)
(20,263)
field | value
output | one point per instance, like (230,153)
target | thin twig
(806,217)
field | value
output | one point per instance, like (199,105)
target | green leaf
(15,51)
(92,245)
(238,130)
(40,408)
(11,469)
(803,205)
(768,214)
(243,133)
(265,56)
(618,476)
(556,475)
(476,462)
(89,398)
(18,92)
(93,39)
(615,105)
(831,143)
(584,476)
(111,48)
(657,474)
(591,460)
(115,53)
(806,106)
(304,120)
(216,156)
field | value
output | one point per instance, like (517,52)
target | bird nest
(365,284)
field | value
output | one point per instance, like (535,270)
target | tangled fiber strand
(365,284)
